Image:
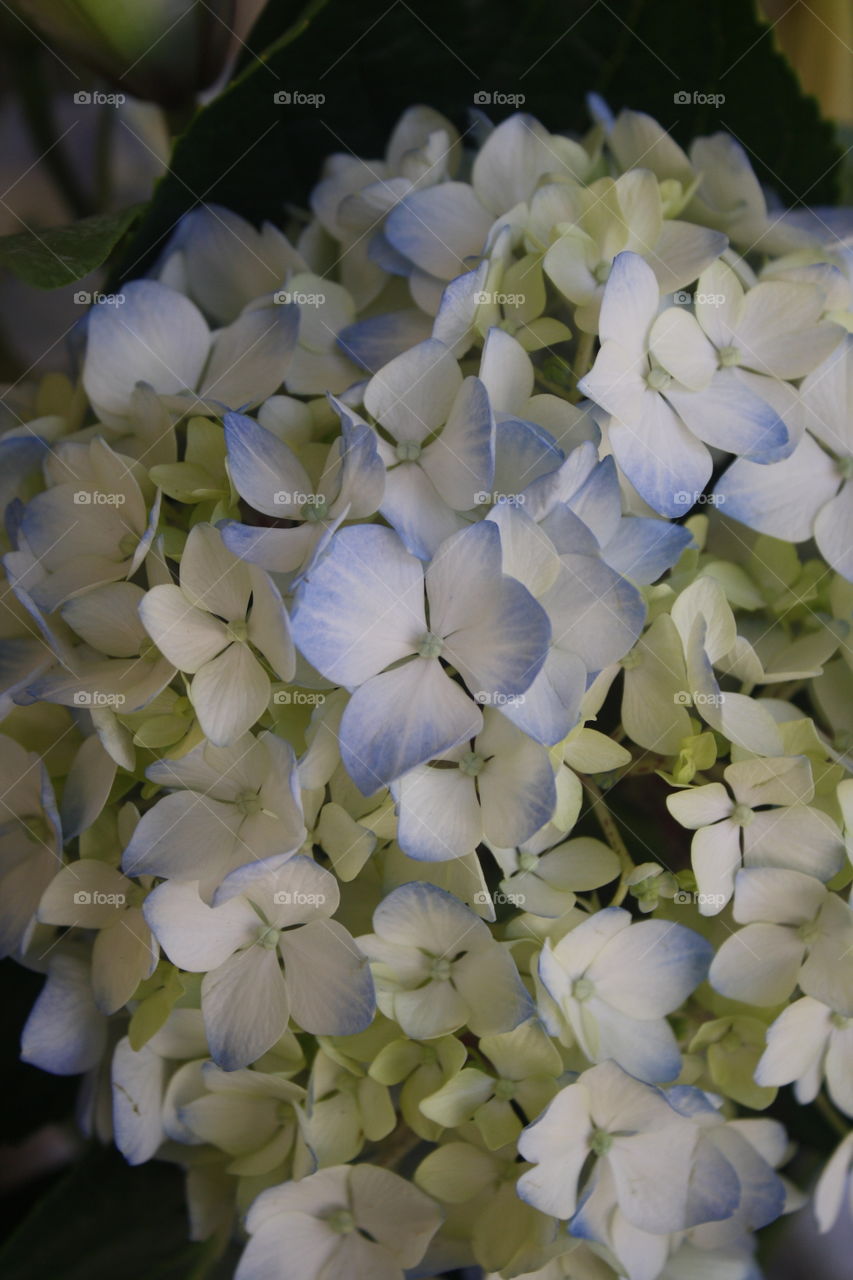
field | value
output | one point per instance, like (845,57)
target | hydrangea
(426,689)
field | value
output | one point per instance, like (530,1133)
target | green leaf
(104,1219)
(255,155)
(58,256)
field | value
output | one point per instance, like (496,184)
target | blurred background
(93,95)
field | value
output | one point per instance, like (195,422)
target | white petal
(194,936)
(245,1006)
(187,636)
(155,336)
(328,979)
(230,694)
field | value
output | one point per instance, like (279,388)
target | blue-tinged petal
(782,498)
(664,461)
(647,1050)
(376,340)
(277,550)
(328,979)
(249,359)
(728,415)
(413,395)
(461,461)
(361,469)
(595,613)
(65,1034)
(454,321)
(523,453)
(630,304)
(265,471)
(496,635)
(549,708)
(155,335)
(648,970)
(245,1006)
(362,606)
(420,516)
(439,228)
(400,719)
(644,548)
(19,457)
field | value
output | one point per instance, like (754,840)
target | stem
(829,1113)
(583,357)
(613,837)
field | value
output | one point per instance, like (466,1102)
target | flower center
(440,969)
(505,1089)
(742,815)
(341,1220)
(728,357)
(838,1020)
(238,631)
(430,645)
(658,379)
(314,512)
(249,803)
(844,466)
(528,861)
(268,937)
(631,660)
(600,1142)
(471,764)
(582,989)
(408,450)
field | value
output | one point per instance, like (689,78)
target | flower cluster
(348,571)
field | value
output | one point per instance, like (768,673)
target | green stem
(829,1113)
(613,837)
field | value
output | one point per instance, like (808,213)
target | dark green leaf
(105,1219)
(55,256)
(372,60)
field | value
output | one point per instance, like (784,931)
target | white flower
(160,337)
(274,911)
(741,827)
(807,1042)
(796,932)
(363,609)
(437,966)
(610,985)
(363,1222)
(89,894)
(212,624)
(235,804)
